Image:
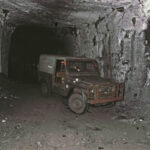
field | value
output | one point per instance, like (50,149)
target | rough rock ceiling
(64,11)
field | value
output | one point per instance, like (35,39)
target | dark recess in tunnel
(28,42)
(147,33)
(147,45)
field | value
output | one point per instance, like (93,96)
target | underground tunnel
(28,42)
(115,35)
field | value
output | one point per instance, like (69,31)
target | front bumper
(119,96)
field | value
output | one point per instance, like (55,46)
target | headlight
(91,92)
(113,88)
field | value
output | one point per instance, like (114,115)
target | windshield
(77,66)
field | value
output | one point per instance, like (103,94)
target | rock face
(111,31)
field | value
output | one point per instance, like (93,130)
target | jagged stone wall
(117,40)
(111,31)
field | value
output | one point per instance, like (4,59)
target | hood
(88,80)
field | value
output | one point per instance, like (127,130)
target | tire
(77,104)
(45,90)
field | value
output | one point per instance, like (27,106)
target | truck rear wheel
(45,90)
(77,104)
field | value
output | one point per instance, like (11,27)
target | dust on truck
(78,79)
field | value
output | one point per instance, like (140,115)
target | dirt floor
(30,122)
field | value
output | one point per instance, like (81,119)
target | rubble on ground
(7,89)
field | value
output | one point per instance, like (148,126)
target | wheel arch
(74,90)
(77,91)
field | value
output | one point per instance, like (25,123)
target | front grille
(108,91)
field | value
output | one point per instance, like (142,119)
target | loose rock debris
(93,128)
(3,121)
(7,93)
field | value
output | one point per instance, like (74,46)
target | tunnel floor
(29,121)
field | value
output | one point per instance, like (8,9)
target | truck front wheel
(77,104)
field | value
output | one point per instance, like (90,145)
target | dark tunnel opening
(28,42)
(147,33)
(147,44)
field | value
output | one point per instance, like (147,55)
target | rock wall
(117,40)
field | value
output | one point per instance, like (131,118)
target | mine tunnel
(28,42)
(70,104)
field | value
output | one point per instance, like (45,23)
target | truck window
(82,66)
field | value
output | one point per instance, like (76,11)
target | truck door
(60,77)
